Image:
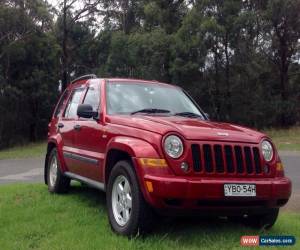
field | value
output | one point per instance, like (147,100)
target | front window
(128,98)
(61,103)
(93,97)
(71,110)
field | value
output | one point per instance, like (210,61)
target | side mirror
(86,111)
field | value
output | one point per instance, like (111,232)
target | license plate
(239,190)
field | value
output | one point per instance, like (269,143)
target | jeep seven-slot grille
(232,159)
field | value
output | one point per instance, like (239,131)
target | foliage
(29,71)
(238,59)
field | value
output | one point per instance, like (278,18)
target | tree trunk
(227,80)
(216,78)
(64,48)
(284,90)
(284,80)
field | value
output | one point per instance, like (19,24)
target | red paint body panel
(190,129)
(141,136)
(212,188)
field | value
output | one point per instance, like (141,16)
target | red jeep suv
(151,148)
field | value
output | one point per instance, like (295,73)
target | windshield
(131,98)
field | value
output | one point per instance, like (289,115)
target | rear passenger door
(88,137)
(66,126)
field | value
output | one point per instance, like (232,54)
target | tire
(259,221)
(57,182)
(124,220)
(266,220)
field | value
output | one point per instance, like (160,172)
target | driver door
(89,137)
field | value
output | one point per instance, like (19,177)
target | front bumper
(208,193)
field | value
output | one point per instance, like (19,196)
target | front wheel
(128,212)
(57,182)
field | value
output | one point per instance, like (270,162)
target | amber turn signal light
(150,162)
(149,186)
(279,166)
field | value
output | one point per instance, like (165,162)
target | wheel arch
(50,147)
(126,148)
(52,143)
(114,156)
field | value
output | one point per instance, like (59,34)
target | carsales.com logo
(255,240)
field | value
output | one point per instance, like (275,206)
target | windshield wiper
(151,111)
(188,114)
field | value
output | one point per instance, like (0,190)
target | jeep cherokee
(151,148)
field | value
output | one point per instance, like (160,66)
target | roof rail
(84,77)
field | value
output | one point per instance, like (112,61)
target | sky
(55,3)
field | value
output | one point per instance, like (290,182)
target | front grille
(232,159)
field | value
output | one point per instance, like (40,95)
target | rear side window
(93,97)
(60,105)
(74,101)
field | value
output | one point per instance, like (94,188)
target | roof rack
(84,77)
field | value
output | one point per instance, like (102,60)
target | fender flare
(134,147)
(57,141)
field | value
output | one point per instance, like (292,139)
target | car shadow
(88,195)
(184,229)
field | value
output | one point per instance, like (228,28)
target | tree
(238,58)
(164,14)
(69,17)
(283,32)
(29,59)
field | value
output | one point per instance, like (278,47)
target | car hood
(190,128)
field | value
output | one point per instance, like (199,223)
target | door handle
(77,127)
(60,125)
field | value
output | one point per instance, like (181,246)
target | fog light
(184,167)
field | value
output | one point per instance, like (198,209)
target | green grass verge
(31,218)
(286,139)
(29,150)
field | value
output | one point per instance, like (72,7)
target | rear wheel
(128,212)
(265,220)
(57,182)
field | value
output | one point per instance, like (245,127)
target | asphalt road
(31,170)
(21,170)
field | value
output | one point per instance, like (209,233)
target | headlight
(173,146)
(267,150)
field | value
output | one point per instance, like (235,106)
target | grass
(26,151)
(31,218)
(286,139)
